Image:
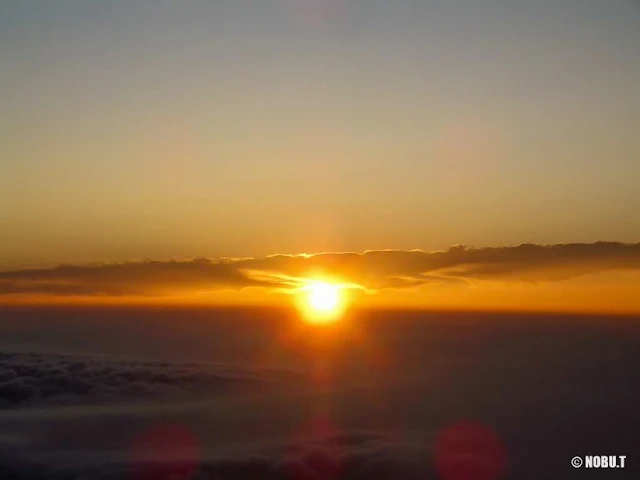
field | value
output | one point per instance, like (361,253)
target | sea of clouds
(32,379)
(348,456)
(62,412)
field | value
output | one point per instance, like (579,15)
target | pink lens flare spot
(317,12)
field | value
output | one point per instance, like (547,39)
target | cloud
(373,269)
(129,278)
(43,379)
(350,455)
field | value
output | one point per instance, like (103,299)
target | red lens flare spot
(469,451)
(163,451)
(317,12)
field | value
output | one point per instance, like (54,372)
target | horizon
(594,278)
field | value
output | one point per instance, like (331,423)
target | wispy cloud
(371,270)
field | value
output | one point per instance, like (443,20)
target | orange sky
(138,130)
(599,277)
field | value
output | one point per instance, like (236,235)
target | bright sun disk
(323,297)
(322,303)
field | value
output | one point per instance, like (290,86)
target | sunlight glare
(323,296)
(323,303)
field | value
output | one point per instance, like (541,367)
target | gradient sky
(144,129)
(165,129)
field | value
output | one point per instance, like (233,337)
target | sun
(322,303)
(323,297)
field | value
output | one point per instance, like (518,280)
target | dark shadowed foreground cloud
(346,456)
(374,269)
(39,379)
(36,381)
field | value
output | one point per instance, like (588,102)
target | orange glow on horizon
(602,293)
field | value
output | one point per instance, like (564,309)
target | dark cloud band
(373,269)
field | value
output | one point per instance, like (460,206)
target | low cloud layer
(344,456)
(38,379)
(371,270)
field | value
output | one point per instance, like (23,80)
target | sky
(168,130)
